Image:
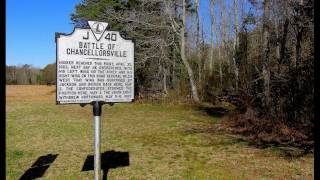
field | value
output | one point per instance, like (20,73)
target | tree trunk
(211,55)
(222,43)
(14,74)
(173,73)
(236,43)
(265,52)
(165,90)
(183,56)
(277,39)
(173,80)
(298,47)
(220,67)
(198,44)
(278,56)
(201,49)
(223,13)
(211,63)
(219,57)
(284,40)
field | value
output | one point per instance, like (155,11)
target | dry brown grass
(30,92)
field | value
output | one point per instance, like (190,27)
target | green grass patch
(15,154)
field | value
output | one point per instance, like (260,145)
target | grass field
(163,142)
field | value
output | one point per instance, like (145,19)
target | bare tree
(219,45)
(212,14)
(183,54)
(236,41)
(199,60)
(223,39)
(265,51)
(181,29)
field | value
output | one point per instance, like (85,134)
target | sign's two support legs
(97,127)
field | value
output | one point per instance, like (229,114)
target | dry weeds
(30,92)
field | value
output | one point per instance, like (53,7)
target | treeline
(27,74)
(258,54)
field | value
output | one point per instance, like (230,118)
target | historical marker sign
(94,65)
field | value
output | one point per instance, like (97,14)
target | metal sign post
(97,135)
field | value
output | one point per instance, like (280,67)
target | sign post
(97,127)
(94,66)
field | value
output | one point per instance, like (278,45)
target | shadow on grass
(109,159)
(39,167)
(280,149)
(219,137)
(215,111)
